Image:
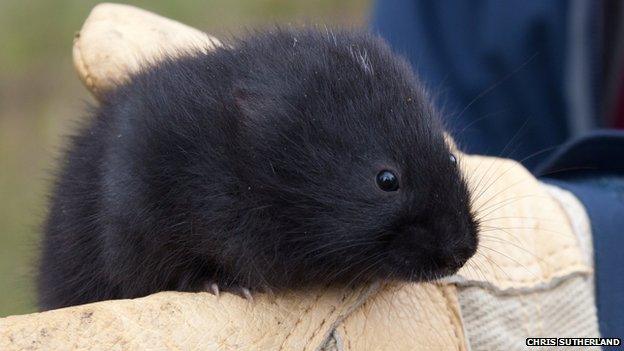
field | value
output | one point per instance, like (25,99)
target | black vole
(288,159)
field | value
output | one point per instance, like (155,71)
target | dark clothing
(592,168)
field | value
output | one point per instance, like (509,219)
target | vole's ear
(259,100)
(244,99)
(116,40)
(250,102)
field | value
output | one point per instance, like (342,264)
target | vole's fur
(254,165)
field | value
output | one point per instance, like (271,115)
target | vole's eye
(453,159)
(387,181)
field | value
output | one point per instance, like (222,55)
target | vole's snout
(459,246)
(428,252)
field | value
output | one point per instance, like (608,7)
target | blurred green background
(41,98)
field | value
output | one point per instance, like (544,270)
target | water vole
(286,159)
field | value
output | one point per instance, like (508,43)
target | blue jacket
(592,167)
(498,69)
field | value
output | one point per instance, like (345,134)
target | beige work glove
(113,42)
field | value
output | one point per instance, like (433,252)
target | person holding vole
(424,315)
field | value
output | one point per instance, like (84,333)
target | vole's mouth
(405,269)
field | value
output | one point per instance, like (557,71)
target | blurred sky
(41,98)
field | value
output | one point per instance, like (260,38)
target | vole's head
(342,167)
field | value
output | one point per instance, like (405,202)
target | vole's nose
(448,260)
(454,256)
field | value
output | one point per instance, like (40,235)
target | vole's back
(71,261)
(115,226)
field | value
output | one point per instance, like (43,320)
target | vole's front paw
(213,288)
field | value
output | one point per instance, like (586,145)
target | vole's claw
(246,294)
(212,288)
